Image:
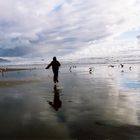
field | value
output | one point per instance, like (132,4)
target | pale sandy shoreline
(14,69)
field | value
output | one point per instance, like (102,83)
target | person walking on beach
(55,68)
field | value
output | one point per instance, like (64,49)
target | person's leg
(55,76)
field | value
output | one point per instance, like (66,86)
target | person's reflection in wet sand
(56,104)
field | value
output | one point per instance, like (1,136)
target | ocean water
(100,104)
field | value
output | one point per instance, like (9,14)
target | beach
(101,104)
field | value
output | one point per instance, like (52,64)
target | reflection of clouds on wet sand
(94,106)
(100,99)
(25,116)
(107,105)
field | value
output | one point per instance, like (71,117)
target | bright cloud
(68,28)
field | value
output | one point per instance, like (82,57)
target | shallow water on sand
(103,104)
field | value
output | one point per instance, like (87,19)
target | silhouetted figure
(55,68)
(112,66)
(90,70)
(130,68)
(56,104)
(70,69)
(121,65)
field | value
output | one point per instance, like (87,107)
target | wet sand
(100,105)
(5,69)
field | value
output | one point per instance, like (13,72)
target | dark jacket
(55,65)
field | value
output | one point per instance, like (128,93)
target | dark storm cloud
(16,52)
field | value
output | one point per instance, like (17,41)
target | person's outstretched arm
(48,66)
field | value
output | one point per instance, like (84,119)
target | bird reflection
(56,104)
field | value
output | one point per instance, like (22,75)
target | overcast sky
(69,28)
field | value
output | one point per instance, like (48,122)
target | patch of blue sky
(130,34)
(57,8)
